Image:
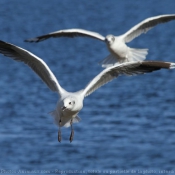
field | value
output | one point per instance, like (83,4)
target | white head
(110,39)
(68,103)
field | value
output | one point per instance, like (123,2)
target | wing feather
(146,25)
(129,68)
(34,62)
(68,33)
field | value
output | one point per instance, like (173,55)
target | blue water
(128,124)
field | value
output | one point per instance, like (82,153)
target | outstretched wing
(146,25)
(34,62)
(129,68)
(68,33)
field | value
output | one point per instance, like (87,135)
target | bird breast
(118,48)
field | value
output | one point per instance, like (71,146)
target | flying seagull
(119,51)
(70,103)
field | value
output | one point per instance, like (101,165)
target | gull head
(110,39)
(68,103)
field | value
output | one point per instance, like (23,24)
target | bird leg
(60,121)
(59,135)
(72,131)
(59,131)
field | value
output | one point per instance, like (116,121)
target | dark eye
(70,103)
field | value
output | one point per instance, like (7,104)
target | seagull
(119,51)
(70,103)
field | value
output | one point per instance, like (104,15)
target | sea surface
(127,126)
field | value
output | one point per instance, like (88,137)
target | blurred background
(126,124)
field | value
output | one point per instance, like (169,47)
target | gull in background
(70,103)
(119,51)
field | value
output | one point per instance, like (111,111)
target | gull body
(119,51)
(70,103)
(67,109)
(117,47)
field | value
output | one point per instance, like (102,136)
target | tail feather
(76,119)
(65,121)
(133,55)
(137,54)
(108,61)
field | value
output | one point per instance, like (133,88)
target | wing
(129,68)
(68,33)
(34,62)
(146,25)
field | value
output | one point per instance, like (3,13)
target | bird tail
(132,55)
(137,54)
(65,121)
(76,119)
(110,60)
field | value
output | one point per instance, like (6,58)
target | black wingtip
(157,64)
(32,40)
(26,40)
(2,42)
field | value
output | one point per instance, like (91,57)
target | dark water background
(128,124)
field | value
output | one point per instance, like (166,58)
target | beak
(63,108)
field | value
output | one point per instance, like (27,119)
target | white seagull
(70,103)
(119,51)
